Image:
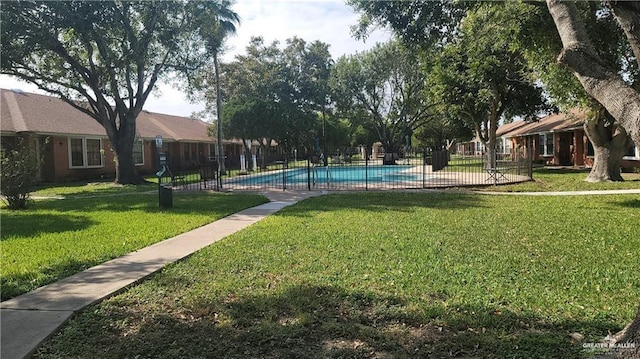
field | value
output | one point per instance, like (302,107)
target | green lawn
(91,189)
(552,180)
(386,275)
(56,238)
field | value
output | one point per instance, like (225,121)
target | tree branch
(628,15)
(622,101)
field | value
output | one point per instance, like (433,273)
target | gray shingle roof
(21,111)
(557,122)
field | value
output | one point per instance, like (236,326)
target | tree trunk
(390,152)
(246,144)
(490,155)
(622,101)
(126,172)
(265,146)
(122,143)
(489,140)
(610,142)
(606,166)
(628,15)
(221,165)
(630,334)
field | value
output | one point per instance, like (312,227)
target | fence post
(284,172)
(309,172)
(529,159)
(424,167)
(494,165)
(366,168)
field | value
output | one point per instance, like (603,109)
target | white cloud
(326,20)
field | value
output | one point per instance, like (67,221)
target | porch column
(578,148)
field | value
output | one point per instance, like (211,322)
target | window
(85,152)
(545,142)
(503,145)
(187,153)
(507,145)
(138,152)
(633,153)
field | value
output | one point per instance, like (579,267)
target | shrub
(19,172)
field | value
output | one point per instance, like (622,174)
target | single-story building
(74,146)
(557,139)
(560,140)
(475,147)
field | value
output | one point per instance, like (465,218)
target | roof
(557,122)
(28,112)
(508,127)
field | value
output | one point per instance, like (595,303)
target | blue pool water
(351,174)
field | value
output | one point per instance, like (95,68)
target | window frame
(139,141)
(636,153)
(543,144)
(85,153)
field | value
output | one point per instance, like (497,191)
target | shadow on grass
(400,201)
(309,321)
(83,189)
(14,284)
(183,203)
(560,171)
(632,203)
(21,226)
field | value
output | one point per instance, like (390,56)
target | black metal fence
(414,170)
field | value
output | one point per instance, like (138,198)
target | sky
(326,20)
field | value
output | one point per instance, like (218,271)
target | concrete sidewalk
(29,319)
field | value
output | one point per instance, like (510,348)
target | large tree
(425,23)
(105,57)
(221,24)
(248,119)
(600,79)
(422,21)
(541,43)
(602,82)
(480,78)
(384,89)
(289,83)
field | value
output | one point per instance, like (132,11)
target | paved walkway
(29,319)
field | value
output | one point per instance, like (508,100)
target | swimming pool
(333,174)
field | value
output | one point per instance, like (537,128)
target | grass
(56,238)
(91,189)
(386,275)
(552,180)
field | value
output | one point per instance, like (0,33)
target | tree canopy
(382,89)
(608,77)
(105,57)
(285,87)
(480,78)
